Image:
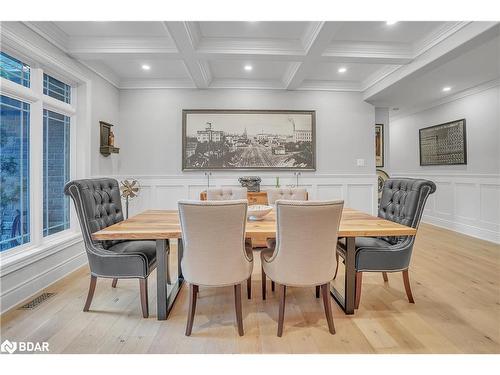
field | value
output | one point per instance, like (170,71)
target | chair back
(213,233)
(403,201)
(98,205)
(306,242)
(226,193)
(291,194)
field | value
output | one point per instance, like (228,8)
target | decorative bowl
(258,211)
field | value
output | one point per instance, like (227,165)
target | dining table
(163,226)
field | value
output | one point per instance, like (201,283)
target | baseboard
(31,287)
(469,230)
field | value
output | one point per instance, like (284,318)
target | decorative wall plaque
(443,144)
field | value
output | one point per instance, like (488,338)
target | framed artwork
(379,145)
(443,144)
(248,139)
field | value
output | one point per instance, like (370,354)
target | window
(14,165)
(14,70)
(56,171)
(56,89)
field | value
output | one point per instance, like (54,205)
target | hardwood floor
(455,282)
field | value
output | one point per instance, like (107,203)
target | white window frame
(79,112)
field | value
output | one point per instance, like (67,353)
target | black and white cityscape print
(225,139)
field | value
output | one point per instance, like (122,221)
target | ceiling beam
(186,39)
(368,53)
(318,42)
(449,48)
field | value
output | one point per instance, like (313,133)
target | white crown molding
(103,45)
(378,75)
(448,99)
(310,35)
(317,85)
(368,52)
(51,32)
(436,36)
(194,32)
(278,49)
(157,84)
(224,83)
(102,71)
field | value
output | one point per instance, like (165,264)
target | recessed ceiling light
(447,88)
(248,67)
(145,67)
(342,70)
(390,23)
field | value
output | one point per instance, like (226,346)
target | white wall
(24,274)
(468,196)
(150,126)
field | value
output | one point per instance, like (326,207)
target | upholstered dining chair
(403,201)
(305,250)
(291,194)
(98,205)
(215,255)
(226,193)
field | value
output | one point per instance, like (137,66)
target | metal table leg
(166,297)
(347,301)
(161,282)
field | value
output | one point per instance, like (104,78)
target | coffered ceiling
(369,57)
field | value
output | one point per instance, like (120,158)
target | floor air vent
(37,301)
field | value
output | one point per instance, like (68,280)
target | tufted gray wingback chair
(98,205)
(403,201)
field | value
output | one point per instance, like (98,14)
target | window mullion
(36,159)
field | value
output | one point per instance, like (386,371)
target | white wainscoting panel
(163,192)
(466,203)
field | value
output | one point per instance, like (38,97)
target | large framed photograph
(379,145)
(443,144)
(248,139)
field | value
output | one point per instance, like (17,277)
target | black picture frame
(187,112)
(436,128)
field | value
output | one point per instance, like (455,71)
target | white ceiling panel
(131,68)
(354,72)
(400,32)
(255,30)
(260,69)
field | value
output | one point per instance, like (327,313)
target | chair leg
(281,317)
(193,291)
(272,286)
(359,280)
(237,305)
(113,284)
(325,291)
(317,291)
(143,286)
(406,281)
(90,295)
(337,267)
(263,284)
(249,287)
(384,275)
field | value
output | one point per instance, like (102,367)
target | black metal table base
(164,299)
(347,300)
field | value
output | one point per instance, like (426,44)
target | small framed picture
(379,145)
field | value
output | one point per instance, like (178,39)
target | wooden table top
(164,224)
